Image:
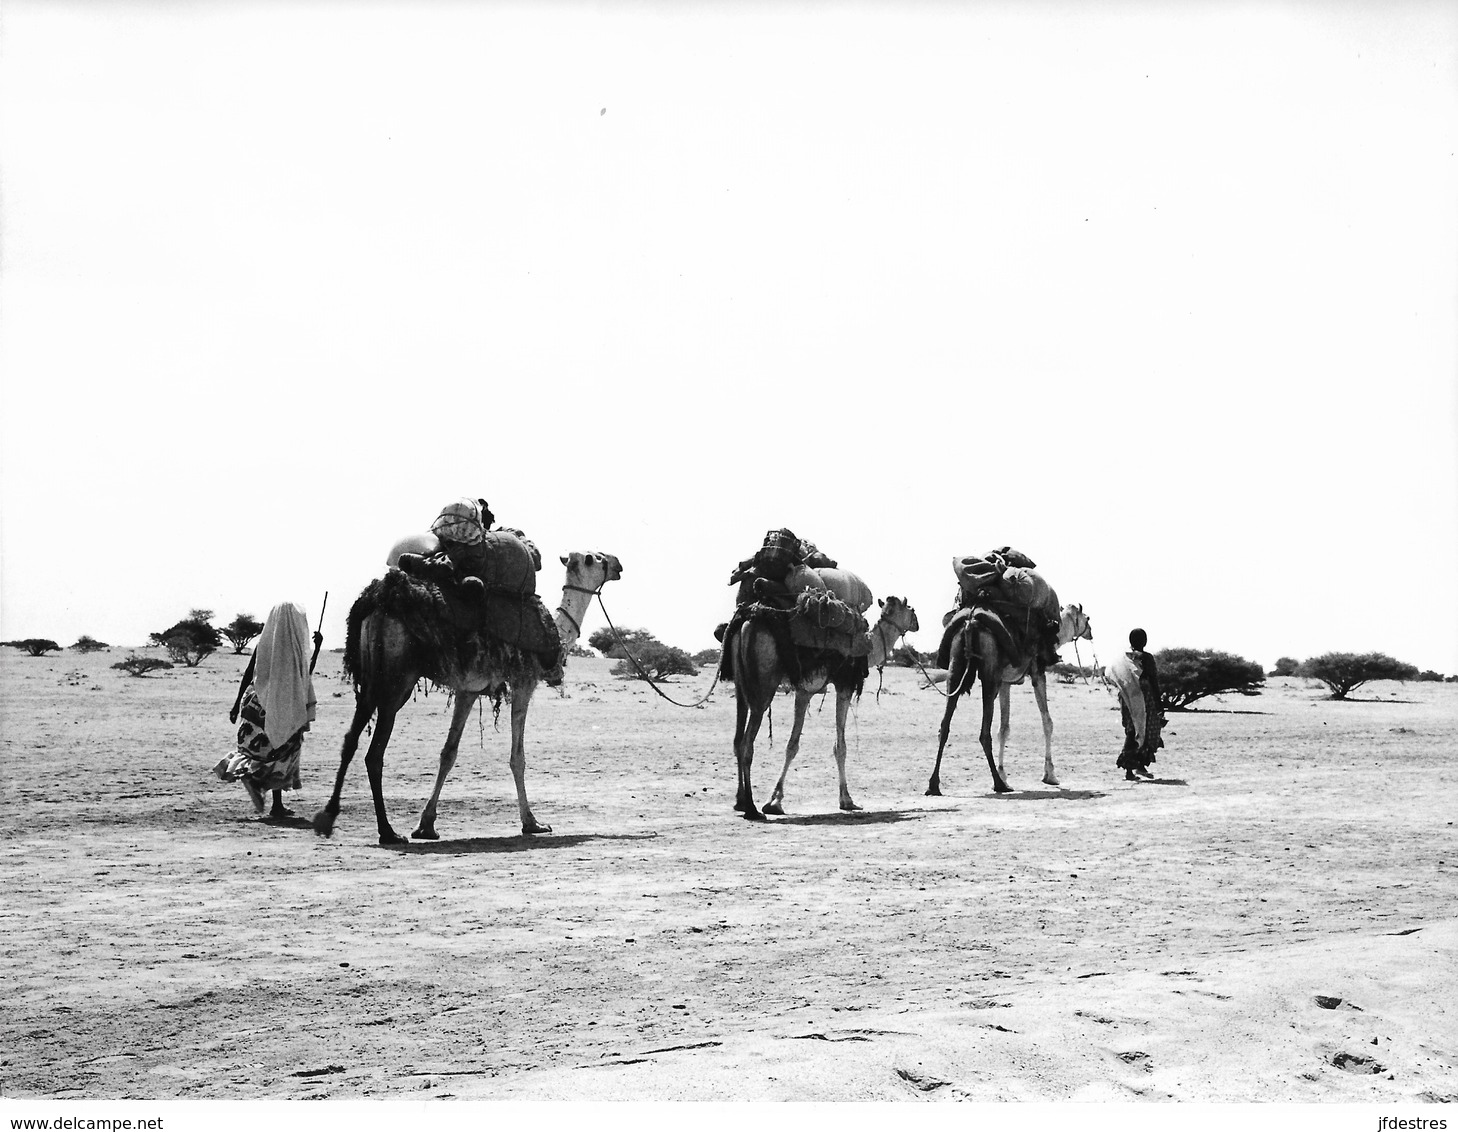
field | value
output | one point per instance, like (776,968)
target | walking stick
(319,633)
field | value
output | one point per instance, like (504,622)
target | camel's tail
(966,622)
(775,623)
(419,609)
(363,606)
(778,628)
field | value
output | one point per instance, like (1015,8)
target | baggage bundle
(520,620)
(505,561)
(1004,582)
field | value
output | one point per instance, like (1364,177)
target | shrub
(1285,666)
(706,656)
(1187,675)
(1345,672)
(242,629)
(658,660)
(89,644)
(135,665)
(578,650)
(36,646)
(1429,676)
(191,639)
(904,656)
(1073,673)
(606,642)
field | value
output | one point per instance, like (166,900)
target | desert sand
(1274,919)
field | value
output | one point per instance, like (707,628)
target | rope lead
(651,682)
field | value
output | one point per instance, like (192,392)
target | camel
(758,672)
(386,656)
(978,652)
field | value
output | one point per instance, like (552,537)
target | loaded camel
(387,652)
(758,668)
(978,651)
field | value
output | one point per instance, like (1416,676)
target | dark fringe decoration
(796,660)
(438,648)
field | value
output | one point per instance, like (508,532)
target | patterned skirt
(259,765)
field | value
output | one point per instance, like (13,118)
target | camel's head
(1076,619)
(590,569)
(897,611)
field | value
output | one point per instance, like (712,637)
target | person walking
(276,702)
(1135,757)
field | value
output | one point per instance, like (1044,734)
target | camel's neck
(883,636)
(570,613)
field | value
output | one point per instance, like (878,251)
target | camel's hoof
(535,827)
(753,815)
(1001,788)
(425,835)
(390,837)
(323,824)
(933,791)
(776,809)
(849,806)
(1050,781)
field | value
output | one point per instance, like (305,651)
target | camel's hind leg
(364,707)
(802,704)
(375,767)
(990,691)
(1004,726)
(842,709)
(465,701)
(746,726)
(521,700)
(954,682)
(1040,693)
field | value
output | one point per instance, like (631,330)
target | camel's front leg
(842,709)
(1004,726)
(802,704)
(521,699)
(1040,693)
(465,701)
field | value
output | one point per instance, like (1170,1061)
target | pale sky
(1164,295)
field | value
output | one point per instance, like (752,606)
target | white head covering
(281,673)
(459,522)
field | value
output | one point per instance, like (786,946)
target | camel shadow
(854,817)
(1060,794)
(519,843)
(293,821)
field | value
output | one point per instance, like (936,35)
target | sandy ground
(1275,919)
